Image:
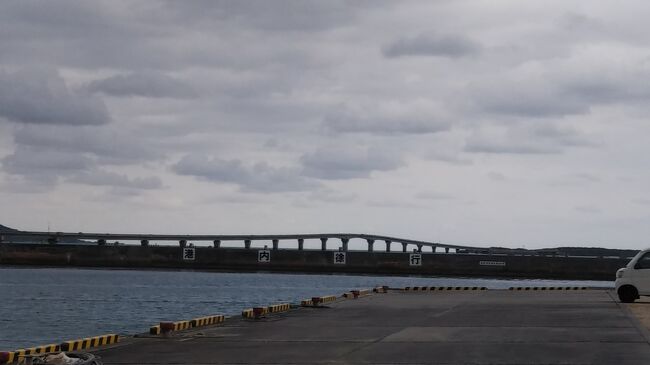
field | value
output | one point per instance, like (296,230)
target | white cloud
(146,84)
(344,161)
(41,96)
(432,45)
(305,114)
(259,177)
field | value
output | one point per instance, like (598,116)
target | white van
(634,279)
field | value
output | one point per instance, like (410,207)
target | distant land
(561,251)
(6,234)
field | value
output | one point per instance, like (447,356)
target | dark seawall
(316,261)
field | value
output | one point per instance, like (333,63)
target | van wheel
(627,294)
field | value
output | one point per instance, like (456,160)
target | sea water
(39,306)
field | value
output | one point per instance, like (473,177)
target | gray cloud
(432,195)
(526,99)
(477,145)
(259,177)
(565,86)
(106,146)
(25,160)
(222,78)
(527,139)
(432,45)
(589,209)
(146,83)
(399,120)
(166,35)
(335,162)
(107,178)
(41,96)
(43,167)
(284,15)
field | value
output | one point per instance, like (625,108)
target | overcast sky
(513,123)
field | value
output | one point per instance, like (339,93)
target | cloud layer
(451,121)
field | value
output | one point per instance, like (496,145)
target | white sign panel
(492,263)
(189,254)
(339,258)
(415,259)
(263,256)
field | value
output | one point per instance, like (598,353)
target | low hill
(7,236)
(596,251)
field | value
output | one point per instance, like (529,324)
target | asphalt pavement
(440,327)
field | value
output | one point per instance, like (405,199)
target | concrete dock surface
(440,327)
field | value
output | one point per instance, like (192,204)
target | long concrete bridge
(322,252)
(273,240)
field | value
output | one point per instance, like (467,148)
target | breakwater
(311,261)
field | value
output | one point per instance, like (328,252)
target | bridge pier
(446,249)
(323,243)
(345,241)
(301,243)
(144,243)
(388,245)
(182,243)
(404,246)
(371,243)
(419,248)
(101,242)
(276,244)
(247,244)
(216,243)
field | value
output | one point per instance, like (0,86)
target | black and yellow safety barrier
(380,289)
(275,308)
(207,321)
(38,350)
(250,312)
(185,325)
(175,326)
(439,288)
(357,293)
(517,288)
(19,355)
(7,357)
(89,342)
(321,300)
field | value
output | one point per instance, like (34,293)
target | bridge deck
(487,327)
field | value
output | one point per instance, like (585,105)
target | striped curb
(274,308)
(250,313)
(7,357)
(207,320)
(282,307)
(174,326)
(380,289)
(321,300)
(19,355)
(517,288)
(440,288)
(89,342)
(359,293)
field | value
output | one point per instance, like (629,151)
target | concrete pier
(415,327)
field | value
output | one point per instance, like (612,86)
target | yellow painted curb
(89,342)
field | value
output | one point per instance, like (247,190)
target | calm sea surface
(39,306)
